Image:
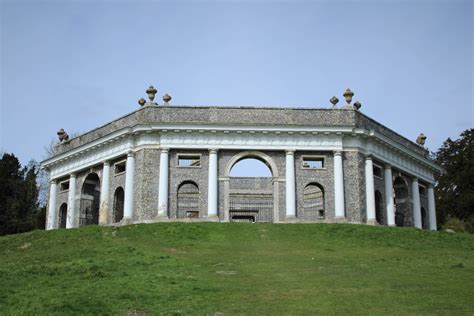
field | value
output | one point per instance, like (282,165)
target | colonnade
(389,198)
(290,197)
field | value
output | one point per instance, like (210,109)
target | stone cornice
(240,138)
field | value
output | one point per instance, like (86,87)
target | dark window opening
(192,214)
(377,171)
(422,191)
(64,186)
(243,218)
(120,167)
(313,163)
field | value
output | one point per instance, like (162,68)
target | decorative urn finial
(334,101)
(167,98)
(420,140)
(357,105)
(151,91)
(62,135)
(348,94)
(141,102)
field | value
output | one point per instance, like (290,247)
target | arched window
(188,200)
(313,201)
(379,214)
(402,207)
(118,204)
(423,218)
(63,215)
(90,200)
(400,187)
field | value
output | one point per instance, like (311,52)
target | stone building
(173,163)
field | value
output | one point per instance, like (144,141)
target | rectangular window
(189,160)
(422,190)
(377,171)
(313,163)
(120,167)
(192,214)
(64,185)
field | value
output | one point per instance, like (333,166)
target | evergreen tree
(455,188)
(18,196)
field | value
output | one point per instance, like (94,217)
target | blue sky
(79,64)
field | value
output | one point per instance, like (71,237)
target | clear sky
(80,64)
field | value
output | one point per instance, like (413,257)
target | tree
(18,196)
(455,187)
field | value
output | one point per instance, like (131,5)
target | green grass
(209,268)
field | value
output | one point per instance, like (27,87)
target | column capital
(165,150)
(414,179)
(213,150)
(337,152)
(53,181)
(387,166)
(106,162)
(290,151)
(431,186)
(368,157)
(72,175)
(131,154)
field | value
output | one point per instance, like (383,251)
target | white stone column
(71,202)
(338,186)
(163,184)
(389,195)
(212,191)
(370,190)
(129,192)
(415,189)
(105,194)
(290,184)
(52,210)
(432,208)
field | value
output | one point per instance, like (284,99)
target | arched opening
(62,215)
(379,214)
(401,202)
(313,201)
(90,200)
(423,218)
(118,204)
(251,188)
(188,200)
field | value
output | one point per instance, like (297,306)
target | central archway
(90,200)
(251,198)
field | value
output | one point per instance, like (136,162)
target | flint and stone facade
(173,163)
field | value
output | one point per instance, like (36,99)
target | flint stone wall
(248,116)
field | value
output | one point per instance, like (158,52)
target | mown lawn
(229,268)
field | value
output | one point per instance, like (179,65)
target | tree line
(20,207)
(23,190)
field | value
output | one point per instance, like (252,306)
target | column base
(340,219)
(126,221)
(212,218)
(162,218)
(372,222)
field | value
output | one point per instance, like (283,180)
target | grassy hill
(228,268)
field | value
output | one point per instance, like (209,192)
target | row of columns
(52,220)
(213,191)
(390,207)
